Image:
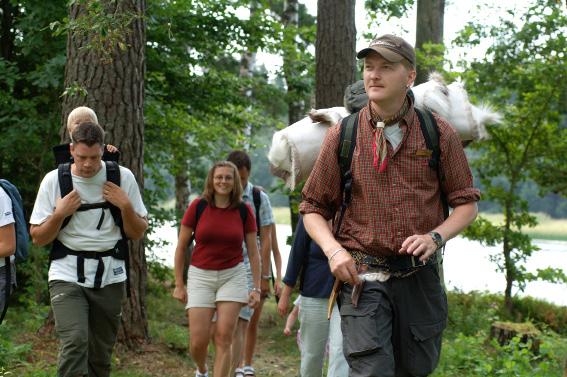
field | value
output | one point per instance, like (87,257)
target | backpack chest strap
(59,251)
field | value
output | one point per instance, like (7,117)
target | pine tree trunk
(335,50)
(429,29)
(115,90)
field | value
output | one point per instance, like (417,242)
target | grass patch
(546,229)
(281,215)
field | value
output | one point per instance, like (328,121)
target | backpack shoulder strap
(430,131)
(65,185)
(257,198)
(199,211)
(244,216)
(113,175)
(347,144)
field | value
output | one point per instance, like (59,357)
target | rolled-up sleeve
(458,182)
(321,193)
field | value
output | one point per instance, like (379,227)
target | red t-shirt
(219,235)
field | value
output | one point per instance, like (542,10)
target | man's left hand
(115,195)
(421,245)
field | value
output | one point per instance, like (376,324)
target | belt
(396,263)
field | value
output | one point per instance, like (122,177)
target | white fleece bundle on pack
(295,148)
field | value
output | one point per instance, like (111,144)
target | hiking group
(367,249)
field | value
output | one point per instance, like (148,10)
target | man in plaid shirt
(387,243)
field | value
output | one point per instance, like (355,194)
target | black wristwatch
(437,239)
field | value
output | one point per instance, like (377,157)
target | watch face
(436,238)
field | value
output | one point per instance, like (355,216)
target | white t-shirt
(6,217)
(81,233)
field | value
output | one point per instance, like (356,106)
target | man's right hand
(69,204)
(343,267)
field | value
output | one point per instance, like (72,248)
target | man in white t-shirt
(7,246)
(87,261)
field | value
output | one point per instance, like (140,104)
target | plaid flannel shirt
(388,207)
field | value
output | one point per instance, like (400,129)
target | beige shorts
(206,287)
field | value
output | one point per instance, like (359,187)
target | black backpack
(347,144)
(22,236)
(119,251)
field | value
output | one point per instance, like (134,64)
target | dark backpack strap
(113,175)
(65,185)
(244,216)
(198,212)
(347,144)
(8,288)
(430,132)
(257,198)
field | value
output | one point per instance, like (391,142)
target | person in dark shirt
(308,263)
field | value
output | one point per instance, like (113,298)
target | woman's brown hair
(209,191)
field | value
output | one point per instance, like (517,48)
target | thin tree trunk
(335,50)
(508,263)
(296,106)
(429,29)
(247,67)
(115,90)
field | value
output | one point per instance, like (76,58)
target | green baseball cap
(390,47)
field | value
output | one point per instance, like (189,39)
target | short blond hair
(81,114)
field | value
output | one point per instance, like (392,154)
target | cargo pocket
(360,325)
(425,347)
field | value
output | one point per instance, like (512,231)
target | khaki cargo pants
(86,322)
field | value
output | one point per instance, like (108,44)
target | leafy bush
(476,356)
(541,312)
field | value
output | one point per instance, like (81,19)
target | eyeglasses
(221,177)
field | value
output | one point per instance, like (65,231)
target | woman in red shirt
(217,278)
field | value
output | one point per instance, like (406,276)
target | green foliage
(430,58)
(32,278)
(195,110)
(470,312)
(32,64)
(520,73)
(389,8)
(468,356)
(100,24)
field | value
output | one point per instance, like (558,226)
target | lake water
(467,264)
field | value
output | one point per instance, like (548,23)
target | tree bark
(429,29)
(335,50)
(115,90)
